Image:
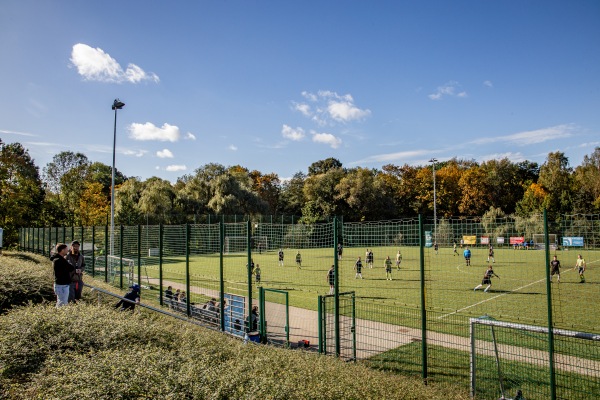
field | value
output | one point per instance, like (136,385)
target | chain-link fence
(414,283)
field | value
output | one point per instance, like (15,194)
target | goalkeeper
(487,279)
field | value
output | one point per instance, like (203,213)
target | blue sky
(277,85)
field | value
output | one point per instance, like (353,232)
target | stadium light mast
(117,105)
(433,161)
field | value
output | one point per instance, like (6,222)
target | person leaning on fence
(176,295)
(169,296)
(252,320)
(62,274)
(133,295)
(182,297)
(76,259)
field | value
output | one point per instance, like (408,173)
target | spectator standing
(76,259)
(62,274)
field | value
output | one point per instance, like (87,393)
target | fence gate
(274,316)
(347,326)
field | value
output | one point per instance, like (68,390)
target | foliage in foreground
(93,351)
(123,355)
(24,278)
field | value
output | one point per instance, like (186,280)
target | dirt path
(370,341)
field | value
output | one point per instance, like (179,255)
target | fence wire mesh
(411,312)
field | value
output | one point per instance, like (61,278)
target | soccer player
(436,247)
(370,258)
(455,253)
(491,254)
(487,279)
(467,255)
(340,250)
(388,268)
(555,268)
(299,260)
(257,273)
(280,257)
(580,265)
(358,268)
(331,279)
(398,260)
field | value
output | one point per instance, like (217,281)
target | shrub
(24,279)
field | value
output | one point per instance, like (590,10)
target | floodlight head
(118,104)
(433,160)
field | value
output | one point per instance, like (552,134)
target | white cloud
(157,168)
(303,108)
(96,65)
(327,138)
(149,131)
(175,168)
(166,153)
(232,147)
(489,84)
(136,153)
(330,108)
(448,89)
(344,111)
(513,157)
(190,136)
(293,134)
(532,137)
(18,133)
(400,156)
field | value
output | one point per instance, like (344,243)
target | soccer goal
(539,241)
(113,268)
(510,360)
(239,244)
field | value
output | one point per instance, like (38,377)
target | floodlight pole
(433,161)
(117,105)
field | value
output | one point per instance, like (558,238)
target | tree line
(71,190)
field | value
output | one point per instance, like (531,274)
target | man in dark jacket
(133,295)
(76,259)
(62,275)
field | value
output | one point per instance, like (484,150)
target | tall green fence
(410,314)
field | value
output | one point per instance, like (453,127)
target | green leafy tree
(322,166)
(586,188)
(291,197)
(21,192)
(555,177)
(127,202)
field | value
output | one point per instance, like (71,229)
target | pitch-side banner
(428,239)
(517,240)
(470,239)
(485,240)
(572,241)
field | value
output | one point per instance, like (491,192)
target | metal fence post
(320,325)
(93,250)
(221,274)
(139,255)
(106,253)
(423,312)
(121,256)
(249,270)
(160,262)
(336,300)
(187,270)
(549,301)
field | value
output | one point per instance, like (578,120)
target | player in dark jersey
(358,268)
(299,260)
(331,279)
(280,255)
(491,254)
(487,279)
(555,268)
(388,268)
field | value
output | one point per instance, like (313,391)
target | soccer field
(518,295)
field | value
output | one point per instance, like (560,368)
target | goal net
(508,358)
(113,266)
(539,241)
(239,244)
